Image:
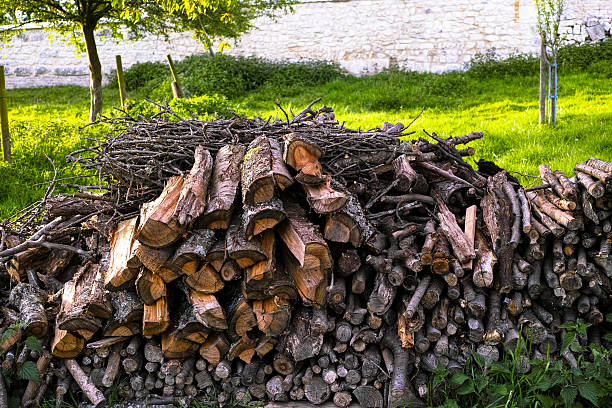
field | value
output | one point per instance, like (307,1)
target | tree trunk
(543,75)
(95,72)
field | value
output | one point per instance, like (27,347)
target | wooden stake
(6,140)
(176,86)
(121,82)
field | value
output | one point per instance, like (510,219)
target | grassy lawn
(48,121)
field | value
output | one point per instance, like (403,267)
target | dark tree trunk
(95,72)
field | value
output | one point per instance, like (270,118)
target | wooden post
(121,82)
(6,140)
(176,86)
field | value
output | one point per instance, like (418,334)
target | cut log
(205,280)
(30,301)
(127,317)
(207,310)
(262,216)
(302,342)
(311,283)
(190,253)
(547,176)
(257,178)
(76,301)
(158,227)
(260,276)
(155,318)
(173,347)
(349,224)
(241,318)
(604,177)
(150,287)
(223,188)
(300,151)
(189,328)
(594,187)
(382,295)
(119,275)
(408,179)
(563,218)
(243,348)
(282,177)
(485,263)
(462,248)
(303,239)
(153,259)
(400,389)
(192,200)
(272,315)
(325,198)
(246,253)
(66,344)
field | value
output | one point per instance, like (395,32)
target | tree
(78,20)
(549,16)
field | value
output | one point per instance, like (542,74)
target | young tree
(78,20)
(549,16)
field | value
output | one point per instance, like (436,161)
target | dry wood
(207,310)
(224,187)
(156,317)
(594,187)
(348,224)
(119,275)
(462,248)
(150,287)
(257,178)
(325,198)
(272,315)
(91,392)
(190,253)
(262,216)
(299,151)
(246,253)
(158,227)
(194,192)
(560,216)
(30,301)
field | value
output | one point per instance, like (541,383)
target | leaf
(588,392)
(28,371)
(567,340)
(7,333)
(569,394)
(609,317)
(33,344)
(545,400)
(608,337)
(545,384)
(458,379)
(466,388)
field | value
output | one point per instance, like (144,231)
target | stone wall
(362,36)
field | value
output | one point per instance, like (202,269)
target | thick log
(401,391)
(126,319)
(207,310)
(594,187)
(349,224)
(153,259)
(66,344)
(245,252)
(223,188)
(317,391)
(150,286)
(243,348)
(205,280)
(326,198)
(604,166)
(311,283)
(300,151)
(368,397)
(91,392)
(302,342)
(282,177)
(241,318)
(73,314)
(485,263)
(30,301)
(563,218)
(273,315)
(189,328)
(603,176)
(262,216)
(155,317)
(462,248)
(194,192)
(158,227)
(382,295)
(119,274)
(257,179)
(173,347)
(408,179)
(190,253)
(569,188)
(258,277)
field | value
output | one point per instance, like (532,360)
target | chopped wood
(194,192)
(158,227)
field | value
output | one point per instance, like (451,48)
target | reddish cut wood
(272,315)
(300,151)
(194,192)
(119,275)
(282,177)
(215,348)
(349,224)
(311,283)
(158,225)
(303,239)
(205,280)
(155,318)
(260,275)
(207,310)
(262,216)
(150,287)
(224,187)
(66,344)
(325,199)
(240,318)
(173,347)
(246,253)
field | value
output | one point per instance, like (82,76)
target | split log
(224,187)
(282,177)
(154,259)
(158,226)
(76,300)
(325,198)
(30,301)
(349,224)
(66,344)
(241,318)
(258,277)
(257,177)
(205,280)
(119,275)
(192,251)
(155,318)
(127,316)
(246,253)
(485,263)
(173,347)
(150,287)
(382,295)
(194,192)
(310,283)
(207,310)
(262,216)
(272,315)
(463,250)
(300,151)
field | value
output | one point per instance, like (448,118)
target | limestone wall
(362,36)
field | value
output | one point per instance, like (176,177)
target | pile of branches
(297,259)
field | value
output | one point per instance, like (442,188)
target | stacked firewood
(271,267)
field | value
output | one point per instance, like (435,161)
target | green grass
(48,120)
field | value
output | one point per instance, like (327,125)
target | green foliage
(28,371)
(222,74)
(205,107)
(549,383)
(33,344)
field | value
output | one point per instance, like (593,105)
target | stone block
(596,32)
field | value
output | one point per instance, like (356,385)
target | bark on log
(462,248)
(349,224)
(158,226)
(91,392)
(262,216)
(30,301)
(194,192)
(119,275)
(257,178)
(223,188)
(326,198)
(192,251)
(246,253)
(299,151)
(150,287)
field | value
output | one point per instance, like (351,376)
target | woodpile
(300,260)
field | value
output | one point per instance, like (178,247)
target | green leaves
(568,394)
(588,392)
(33,344)
(567,340)
(28,371)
